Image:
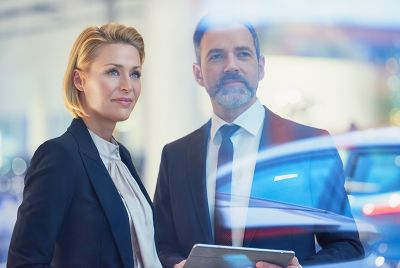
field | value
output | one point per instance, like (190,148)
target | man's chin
(233,102)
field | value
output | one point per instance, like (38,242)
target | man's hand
(180,265)
(294,263)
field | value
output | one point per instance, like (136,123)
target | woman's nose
(126,83)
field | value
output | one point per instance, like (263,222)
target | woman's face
(111,86)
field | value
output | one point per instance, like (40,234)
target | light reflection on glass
(394,200)
(392,66)
(382,248)
(4,185)
(5,168)
(393,82)
(19,166)
(379,261)
(17,184)
(368,209)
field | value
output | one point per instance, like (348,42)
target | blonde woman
(84,204)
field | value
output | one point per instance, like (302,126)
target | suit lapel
(196,169)
(105,190)
(272,134)
(125,157)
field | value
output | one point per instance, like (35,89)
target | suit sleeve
(49,186)
(337,246)
(166,239)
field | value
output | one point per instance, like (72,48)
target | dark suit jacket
(71,214)
(181,205)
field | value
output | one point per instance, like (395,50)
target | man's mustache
(226,77)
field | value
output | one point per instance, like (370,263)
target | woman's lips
(126,102)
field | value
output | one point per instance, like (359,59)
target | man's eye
(136,75)
(215,57)
(113,72)
(244,54)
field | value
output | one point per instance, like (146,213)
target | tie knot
(228,130)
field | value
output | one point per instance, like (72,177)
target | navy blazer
(181,205)
(72,214)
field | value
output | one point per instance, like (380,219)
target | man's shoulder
(298,129)
(193,138)
(306,129)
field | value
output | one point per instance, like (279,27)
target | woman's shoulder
(62,147)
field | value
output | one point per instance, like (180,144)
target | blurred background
(329,64)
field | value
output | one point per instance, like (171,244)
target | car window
(301,179)
(375,171)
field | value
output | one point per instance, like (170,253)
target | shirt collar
(250,120)
(107,150)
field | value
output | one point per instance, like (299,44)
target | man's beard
(232,97)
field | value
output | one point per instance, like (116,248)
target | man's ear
(261,66)
(78,79)
(197,74)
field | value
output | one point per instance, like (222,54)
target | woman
(84,204)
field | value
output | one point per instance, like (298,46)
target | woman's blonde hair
(84,51)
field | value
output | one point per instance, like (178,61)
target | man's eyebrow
(244,48)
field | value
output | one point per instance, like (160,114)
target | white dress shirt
(245,145)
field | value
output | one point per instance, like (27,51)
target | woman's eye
(113,72)
(136,75)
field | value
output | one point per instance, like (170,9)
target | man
(229,66)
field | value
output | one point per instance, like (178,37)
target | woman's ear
(78,79)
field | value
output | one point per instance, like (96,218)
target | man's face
(228,67)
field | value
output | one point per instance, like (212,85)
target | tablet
(203,255)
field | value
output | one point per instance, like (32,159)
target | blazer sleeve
(166,238)
(337,246)
(49,187)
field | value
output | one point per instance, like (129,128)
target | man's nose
(231,64)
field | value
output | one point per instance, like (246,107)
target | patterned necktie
(223,233)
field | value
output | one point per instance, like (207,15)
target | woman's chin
(122,118)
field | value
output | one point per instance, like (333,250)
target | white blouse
(138,209)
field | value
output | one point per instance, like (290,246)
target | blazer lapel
(125,157)
(272,134)
(196,170)
(106,192)
(276,130)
